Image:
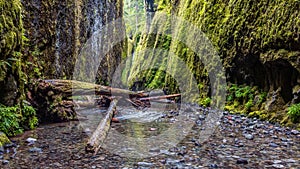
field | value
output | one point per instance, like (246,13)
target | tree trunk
(99,135)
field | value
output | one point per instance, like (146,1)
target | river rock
(278,166)
(31,140)
(145,164)
(242,161)
(35,149)
(295,132)
(5,162)
(249,136)
(273,145)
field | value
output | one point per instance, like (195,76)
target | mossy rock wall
(57,31)
(258,42)
(11,42)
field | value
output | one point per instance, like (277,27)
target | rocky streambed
(237,142)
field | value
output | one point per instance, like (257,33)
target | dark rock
(10,145)
(213,166)
(242,161)
(283,139)
(35,150)
(5,162)
(295,132)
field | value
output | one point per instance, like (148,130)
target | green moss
(237,29)
(3,139)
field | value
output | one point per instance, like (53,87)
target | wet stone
(35,150)
(273,145)
(10,145)
(5,162)
(213,166)
(278,166)
(201,117)
(145,164)
(249,136)
(295,132)
(242,161)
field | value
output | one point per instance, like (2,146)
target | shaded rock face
(57,30)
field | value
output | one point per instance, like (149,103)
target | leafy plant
(294,112)
(29,117)
(205,102)
(9,121)
(13,120)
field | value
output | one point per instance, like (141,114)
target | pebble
(35,149)
(201,117)
(290,161)
(242,161)
(273,145)
(31,140)
(10,145)
(213,166)
(277,161)
(5,162)
(145,164)
(249,136)
(278,166)
(295,132)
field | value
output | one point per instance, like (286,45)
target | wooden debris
(159,97)
(99,135)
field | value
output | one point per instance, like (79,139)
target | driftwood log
(99,135)
(73,88)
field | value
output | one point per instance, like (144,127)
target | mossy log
(99,135)
(72,88)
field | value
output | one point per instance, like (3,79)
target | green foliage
(240,93)
(249,104)
(294,112)
(13,120)
(205,102)
(9,121)
(29,118)
(244,98)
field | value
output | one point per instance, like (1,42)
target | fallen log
(99,135)
(159,97)
(74,88)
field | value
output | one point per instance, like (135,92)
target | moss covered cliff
(258,42)
(11,43)
(57,31)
